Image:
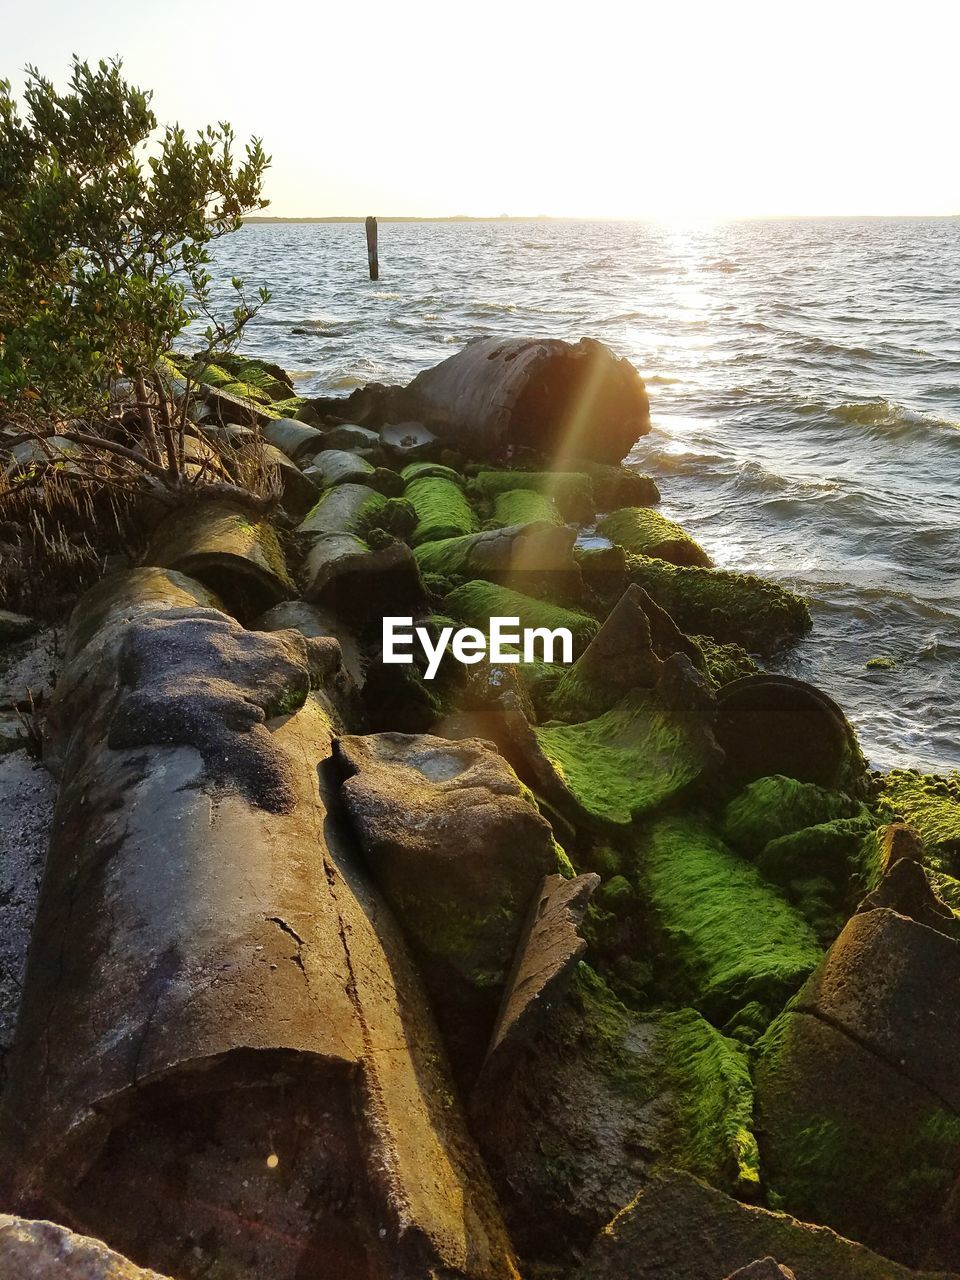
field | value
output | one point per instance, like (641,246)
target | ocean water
(804,379)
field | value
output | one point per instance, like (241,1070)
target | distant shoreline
(558,218)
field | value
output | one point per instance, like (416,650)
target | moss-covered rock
(626,762)
(725,662)
(832,849)
(419,470)
(442,510)
(730,936)
(777,806)
(522,551)
(647,533)
(735,608)
(523,506)
(620,486)
(571,492)
(343,508)
(477,602)
(929,802)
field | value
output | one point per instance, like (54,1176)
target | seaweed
(441,508)
(648,533)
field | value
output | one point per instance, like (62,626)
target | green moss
(880,664)
(620,486)
(929,802)
(269,379)
(418,470)
(776,806)
(731,937)
(725,662)
(442,510)
(850,1141)
(475,603)
(679,1066)
(524,506)
(624,763)
(832,849)
(646,532)
(395,516)
(571,492)
(730,607)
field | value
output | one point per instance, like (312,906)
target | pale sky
(593,109)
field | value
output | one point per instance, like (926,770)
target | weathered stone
(899,840)
(849,1139)
(361,582)
(349,436)
(893,986)
(227,406)
(337,466)
(15,626)
(648,533)
(763,1269)
(585,1111)
(407,441)
(224,1057)
(904,888)
(552,396)
(296,439)
(516,554)
(678,1227)
(54,450)
(624,763)
(548,953)
(771,724)
(454,844)
(43,1251)
(314,623)
(339,508)
(299,492)
(219,544)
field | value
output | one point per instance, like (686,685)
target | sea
(804,381)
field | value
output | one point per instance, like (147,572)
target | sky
(597,109)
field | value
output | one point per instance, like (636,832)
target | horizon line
(554,217)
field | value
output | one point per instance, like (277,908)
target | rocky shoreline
(623,968)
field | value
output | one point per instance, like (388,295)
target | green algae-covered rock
(730,936)
(929,802)
(647,533)
(341,509)
(527,550)
(602,1096)
(725,662)
(442,510)
(850,1141)
(418,470)
(477,602)
(522,506)
(777,806)
(735,608)
(832,849)
(570,491)
(620,486)
(622,764)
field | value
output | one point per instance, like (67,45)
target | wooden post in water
(372,259)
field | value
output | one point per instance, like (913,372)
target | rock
(776,806)
(545,960)
(360,582)
(525,506)
(53,451)
(12,735)
(475,603)
(543,394)
(455,846)
(417,470)
(406,441)
(899,840)
(893,986)
(928,802)
(849,1139)
(128,594)
(732,608)
(623,764)
(219,544)
(517,554)
(15,626)
(763,1269)
(340,508)
(337,466)
(620,486)
(904,888)
(442,510)
(314,623)
(774,724)
(349,436)
(43,1251)
(581,1115)
(570,491)
(678,1227)
(232,403)
(729,937)
(27,795)
(224,1058)
(296,439)
(647,533)
(298,492)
